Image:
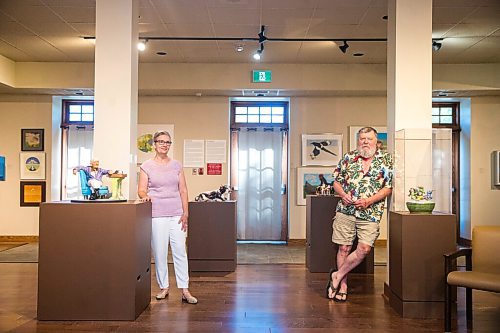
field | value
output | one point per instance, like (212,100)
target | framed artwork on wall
(353,136)
(32,166)
(321,149)
(32,139)
(32,194)
(2,167)
(145,132)
(308,179)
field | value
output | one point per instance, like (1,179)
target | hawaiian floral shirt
(349,173)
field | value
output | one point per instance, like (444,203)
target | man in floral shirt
(362,179)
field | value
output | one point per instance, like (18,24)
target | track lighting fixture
(141,46)
(344,47)
(257,55)
(436,46)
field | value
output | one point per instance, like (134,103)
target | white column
(409,95)
(116,71)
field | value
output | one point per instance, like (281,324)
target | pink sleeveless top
(163,187)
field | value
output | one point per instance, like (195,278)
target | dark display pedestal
(320,251)
(212,236)
(94,261)
(417,243)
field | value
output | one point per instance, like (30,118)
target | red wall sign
(214,168)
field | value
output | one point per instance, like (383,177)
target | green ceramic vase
(420,208)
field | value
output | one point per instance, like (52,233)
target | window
(445,114)
(262,113)
(78,112)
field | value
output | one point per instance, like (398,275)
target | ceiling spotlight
(141,46)
(436,46)
(344,47)
(239,48)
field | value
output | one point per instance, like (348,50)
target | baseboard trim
(297,242)
(29,239)
(381,242)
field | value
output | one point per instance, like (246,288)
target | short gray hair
(157,134)
(368,129)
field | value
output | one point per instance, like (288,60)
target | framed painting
(308,179)
(32,166)
(32,194)
(2,167)
(145,132)
(353,136)
(321,149)
(32,139)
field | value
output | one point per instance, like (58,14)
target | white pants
(94,183)
(165,230)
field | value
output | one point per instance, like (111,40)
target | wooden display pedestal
(212,236)
(417,243)
(94,260)
(321,253)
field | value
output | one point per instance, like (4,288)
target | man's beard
(367,152)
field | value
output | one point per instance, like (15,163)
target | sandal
(162,294)
(329,285)
(190,299)
(341,299)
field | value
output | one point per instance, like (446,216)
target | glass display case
(412,164)
(423,158)
(442,169)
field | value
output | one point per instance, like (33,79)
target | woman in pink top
(162,181)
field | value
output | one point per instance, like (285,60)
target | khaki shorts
(345,227)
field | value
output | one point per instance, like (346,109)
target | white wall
(17,112)
(485,138)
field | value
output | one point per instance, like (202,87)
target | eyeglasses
(161,142)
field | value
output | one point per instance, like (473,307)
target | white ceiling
(51,30)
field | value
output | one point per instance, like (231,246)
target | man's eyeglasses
(161,142)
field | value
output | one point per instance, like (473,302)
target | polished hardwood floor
(256,298)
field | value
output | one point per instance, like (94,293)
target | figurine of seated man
(94,176)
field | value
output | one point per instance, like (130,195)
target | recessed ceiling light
(358,54)
(161,53)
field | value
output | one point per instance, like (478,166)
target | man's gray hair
(157,134)
(368,129)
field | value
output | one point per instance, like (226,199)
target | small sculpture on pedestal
(222,194)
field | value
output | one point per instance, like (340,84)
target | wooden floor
(256,298)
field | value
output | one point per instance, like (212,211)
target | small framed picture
(32,139)
(32,166)
(32,194)
(321,149)
(308,179)
(2,167)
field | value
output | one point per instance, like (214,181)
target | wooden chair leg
(447,308)
(468,306)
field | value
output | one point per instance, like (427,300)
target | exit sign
(262,76)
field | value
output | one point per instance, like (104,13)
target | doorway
(447,115)
(259,169)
